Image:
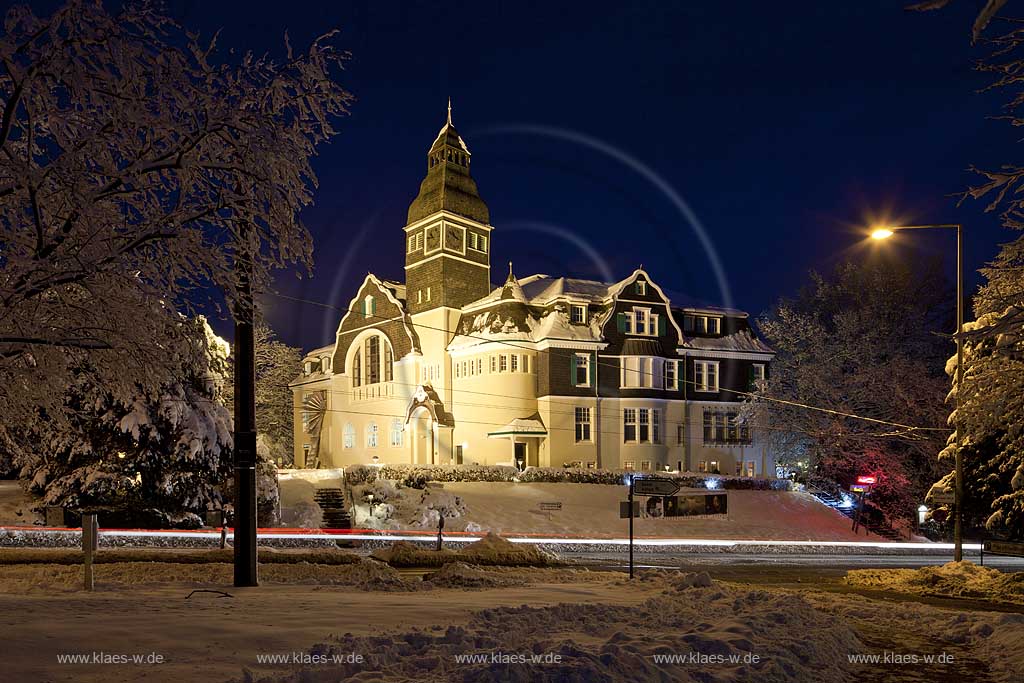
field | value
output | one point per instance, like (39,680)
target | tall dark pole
(958,496)
(958,468)
(245,420)
(631,526)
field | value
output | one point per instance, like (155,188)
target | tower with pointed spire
(447,257)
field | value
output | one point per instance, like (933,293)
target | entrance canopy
(521,427)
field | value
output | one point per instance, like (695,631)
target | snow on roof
(543,288)
(742,340)
(316,353)
(514,321)
(521,426)
(397,288)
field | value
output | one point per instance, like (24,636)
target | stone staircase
(335,508)
(850,511)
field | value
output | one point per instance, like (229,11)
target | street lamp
(886,232)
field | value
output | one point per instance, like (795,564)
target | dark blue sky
(782,126)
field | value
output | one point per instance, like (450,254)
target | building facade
(540,371)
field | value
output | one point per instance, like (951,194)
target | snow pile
(772,636)
(693,580)
(981,641)
(462,575)
(493,549)
(954,579)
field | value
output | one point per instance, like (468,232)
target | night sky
(784,127)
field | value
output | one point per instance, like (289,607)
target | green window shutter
(593,371)
(621,321)
(572,369)
(661,326)
(373,306)
(362,307)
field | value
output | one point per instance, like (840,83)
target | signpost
(90,543)
(863,487)
(697,503)
(944,497)
(646,486)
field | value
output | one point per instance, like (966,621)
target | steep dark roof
(448,185)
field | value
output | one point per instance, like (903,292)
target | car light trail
(463,537)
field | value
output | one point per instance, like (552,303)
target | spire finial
(510,269)
(449,110)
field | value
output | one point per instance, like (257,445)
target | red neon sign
(867,479)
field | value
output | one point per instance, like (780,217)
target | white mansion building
(540,371)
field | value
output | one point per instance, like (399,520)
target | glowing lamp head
(881,234)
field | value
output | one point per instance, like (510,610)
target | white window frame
(348,436)
(584,431)
(641,287)
(372,433)
(670,367)
(641,321)
(397,432)
(513,362)
(701,375)
(629,418)
(575,309)
(643,421)
(502,363)
(494,363)
(582,360)
(759,372)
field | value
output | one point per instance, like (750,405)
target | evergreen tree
(992,400)
(161,458)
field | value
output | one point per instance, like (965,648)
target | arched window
(397,429)
(371,435)
(373,359)
(350,436)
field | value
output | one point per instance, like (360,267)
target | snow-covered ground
(592,510)
(15,505)
(579,625)
(955,579)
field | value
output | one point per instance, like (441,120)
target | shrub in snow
(361,474)
(305,514)
(462,575)
(417,476)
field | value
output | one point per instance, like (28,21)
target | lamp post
(958,492)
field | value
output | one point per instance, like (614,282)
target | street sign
(858,488)
(1004,548)
(943,497)
(867,479)
(654,486)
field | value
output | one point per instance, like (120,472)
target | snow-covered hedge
(413,475)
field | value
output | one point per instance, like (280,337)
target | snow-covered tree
(991,415)
(277,364)
(862,341)
(134,165)
(159,458)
